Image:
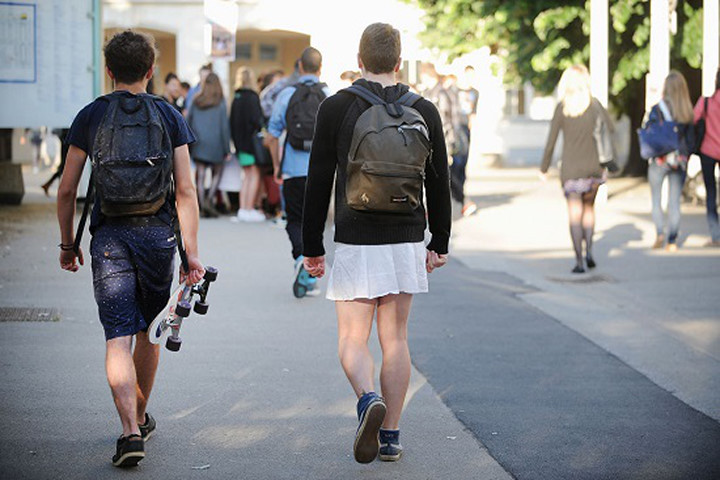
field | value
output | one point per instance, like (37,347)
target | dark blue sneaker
(371,411)
(390,448)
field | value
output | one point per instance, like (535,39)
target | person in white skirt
(380,258)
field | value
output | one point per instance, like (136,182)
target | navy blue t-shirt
(84,127)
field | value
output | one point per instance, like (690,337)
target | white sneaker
(241,216)
(255,216)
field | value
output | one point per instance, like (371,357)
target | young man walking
(132,223)
(385,148)
(294,114)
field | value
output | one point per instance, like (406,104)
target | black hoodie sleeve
(321,174)
(437,181)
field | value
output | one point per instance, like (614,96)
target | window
(268,52)
(243,51)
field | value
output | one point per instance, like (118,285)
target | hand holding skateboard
(169,320)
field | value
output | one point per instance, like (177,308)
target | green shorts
(246,159)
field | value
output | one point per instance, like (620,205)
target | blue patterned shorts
(132,275)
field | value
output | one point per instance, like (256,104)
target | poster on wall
(46,61)
(18,43)
(221,18)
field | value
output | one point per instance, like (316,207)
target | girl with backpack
(708,108)
(675,106)
(208,119)
(577,115)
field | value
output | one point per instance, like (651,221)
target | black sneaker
(147,429)
(130,450)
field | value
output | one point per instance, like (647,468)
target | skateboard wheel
(200,308)
(183,309)
(210,274)
(172,344)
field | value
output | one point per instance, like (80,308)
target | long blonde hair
(245,78)
(210,94)
(676,96)
(574,90)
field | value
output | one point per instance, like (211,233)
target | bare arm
(273,145)
(67,194)
(187,209)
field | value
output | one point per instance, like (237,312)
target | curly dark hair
(130,55)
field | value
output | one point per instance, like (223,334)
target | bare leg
(393,312)
(245,189)
(253,186)
(575,214)
(354,326)
(145,358)
(123,381)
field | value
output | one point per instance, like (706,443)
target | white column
(599,50)
(711,45)
(659,50)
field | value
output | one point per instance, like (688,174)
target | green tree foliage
(538,39)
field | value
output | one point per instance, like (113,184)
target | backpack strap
(409,99)
(394,109)
(86,211)
(365,94)
(705,108)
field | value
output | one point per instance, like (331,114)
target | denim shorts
(132,275)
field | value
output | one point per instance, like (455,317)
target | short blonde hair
(245,78)
(574,90)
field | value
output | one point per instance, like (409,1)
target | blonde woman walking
(581,173)
(675,106)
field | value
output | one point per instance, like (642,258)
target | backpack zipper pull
(402,132)
(150,162)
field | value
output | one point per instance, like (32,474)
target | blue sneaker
(300,284)
(304,283)
(371,411)
(390,448)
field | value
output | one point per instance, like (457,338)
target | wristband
(66,247)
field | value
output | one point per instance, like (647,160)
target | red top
(711,142)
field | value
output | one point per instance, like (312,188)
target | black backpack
(301,114)
(132,157)
(389,150)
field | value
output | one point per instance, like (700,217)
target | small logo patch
(365,199)
(404,199)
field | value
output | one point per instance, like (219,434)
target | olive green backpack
(389,150)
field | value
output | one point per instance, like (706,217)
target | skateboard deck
(160,326)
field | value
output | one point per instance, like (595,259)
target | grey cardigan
(212,129)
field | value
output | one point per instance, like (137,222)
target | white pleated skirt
(372,271)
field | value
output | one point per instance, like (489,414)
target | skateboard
(167,323)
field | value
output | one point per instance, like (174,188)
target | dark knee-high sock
(576,233)
(588,234)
